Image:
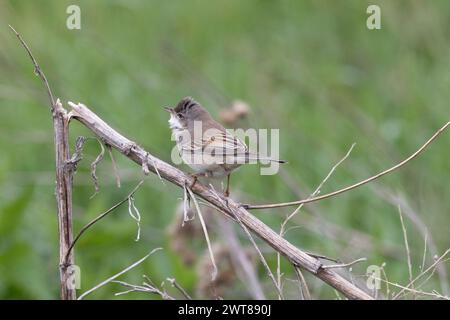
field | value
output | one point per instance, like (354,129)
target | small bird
(205,145)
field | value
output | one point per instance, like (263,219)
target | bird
(205,145)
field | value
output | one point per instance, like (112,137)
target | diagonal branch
(227,206)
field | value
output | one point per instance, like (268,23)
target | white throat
(174,123)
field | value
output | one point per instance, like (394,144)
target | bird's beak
(168,109)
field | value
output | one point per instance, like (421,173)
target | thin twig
(434,294)
(118,274)
(261,257)
(344,265)
(321,256)
(304,291)
(145,288)
(146,170)
(405,238)
(423,273)
(37,69)
(186,198)
(94,168)
(431,275)
(157,171)
(104,214)
(424,252)
(316,223)
(353,186)
(416,287)
(205,231)
(114,165)
(391,197)
(176,285)
(317,191)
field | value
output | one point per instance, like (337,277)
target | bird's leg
(195,176)
(227,190)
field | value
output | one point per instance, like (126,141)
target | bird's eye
(180,115)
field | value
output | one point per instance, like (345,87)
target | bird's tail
(254,157)
(267,159)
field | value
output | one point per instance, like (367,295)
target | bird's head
(186,112)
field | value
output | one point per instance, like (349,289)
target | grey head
(186,112)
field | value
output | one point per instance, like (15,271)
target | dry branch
(227,206)
(64,174)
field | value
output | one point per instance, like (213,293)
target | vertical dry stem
(64,172)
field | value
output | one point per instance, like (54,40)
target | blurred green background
(310,68)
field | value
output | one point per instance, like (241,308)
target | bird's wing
(220,147)
(226,142)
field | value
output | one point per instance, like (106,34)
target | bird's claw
(195,177)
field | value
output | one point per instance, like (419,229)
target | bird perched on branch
(205,145)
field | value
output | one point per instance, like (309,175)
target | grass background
(311,68)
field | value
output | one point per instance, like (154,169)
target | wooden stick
(64,175)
